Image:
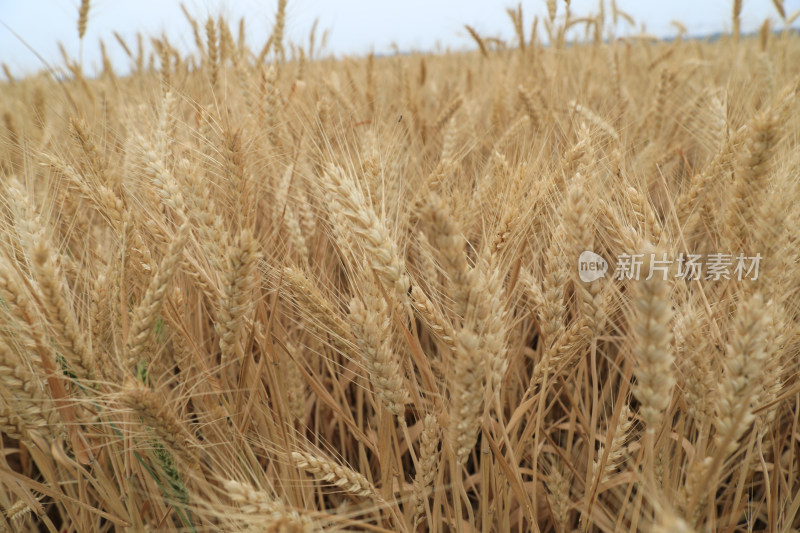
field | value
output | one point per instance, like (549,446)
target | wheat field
(256,288)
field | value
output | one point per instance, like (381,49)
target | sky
(354,26)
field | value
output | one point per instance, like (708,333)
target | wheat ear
(273,514)
(381,250)
(240,278)
(162,420)
(60,316)
(327,470)
(747,354)
(371,322)
(652,343)
(466,395)
(83,18)
(26,408)
(438,323)
(426,469)
(146,313)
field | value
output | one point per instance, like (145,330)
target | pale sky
(355,26)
